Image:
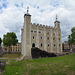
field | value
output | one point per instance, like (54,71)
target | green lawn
(63,65)
(11,55)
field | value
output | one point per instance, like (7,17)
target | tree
(0,41)
(70,41)
(71,38)
(10,39)
(73,35)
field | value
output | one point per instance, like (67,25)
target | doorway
(33,45)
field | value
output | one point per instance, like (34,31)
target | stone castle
(44,37)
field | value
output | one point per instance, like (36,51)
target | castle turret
(26,42)
(57,23)
(58,36)
(43,37)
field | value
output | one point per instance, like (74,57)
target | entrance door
(33,45)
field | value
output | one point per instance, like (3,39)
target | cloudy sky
(42,11)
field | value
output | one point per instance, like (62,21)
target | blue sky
(42,11)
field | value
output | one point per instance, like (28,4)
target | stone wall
(44,37)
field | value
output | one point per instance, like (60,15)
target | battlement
(44,37)
(41,26)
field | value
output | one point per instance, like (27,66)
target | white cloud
(43,12)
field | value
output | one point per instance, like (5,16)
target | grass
(63,65)
(11,56)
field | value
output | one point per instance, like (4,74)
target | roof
(27,14)
(56,21)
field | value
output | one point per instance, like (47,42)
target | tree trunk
(9,49)
(71,48)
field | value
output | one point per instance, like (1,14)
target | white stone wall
(44,37)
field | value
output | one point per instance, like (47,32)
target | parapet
(51,27)
(40,25)
(34,24)
(37,25)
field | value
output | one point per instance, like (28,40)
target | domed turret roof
(27,14)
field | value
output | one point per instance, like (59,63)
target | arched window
(48,45)
(54,44)
(31,31)
(48,38)
(33,37)
(41,44)
(53,38)
(41,37)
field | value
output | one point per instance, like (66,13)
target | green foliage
(10,39)
(71,38)
(73,34)
(0,41)
(63,65)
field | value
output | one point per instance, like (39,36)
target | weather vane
(56,17)
(27,9)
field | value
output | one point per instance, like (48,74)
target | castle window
(39,32)
(59,44)
(41,44)
(47,33)
(59,38)
(31,31)
(48,45)
(48,38)
(53,38)
(33,37)
(54,44)
(41,37)
(35,31)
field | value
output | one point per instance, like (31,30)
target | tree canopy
(0,41)
(73,34)
(71,37)
(10,39)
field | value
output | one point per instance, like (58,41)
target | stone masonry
(37,35)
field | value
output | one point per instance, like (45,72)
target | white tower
(26,36)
